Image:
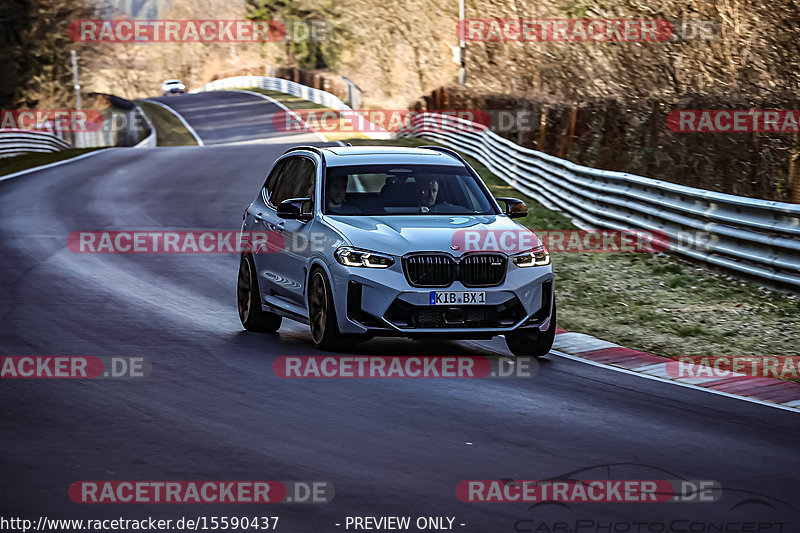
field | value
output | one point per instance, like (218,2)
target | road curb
(782,393)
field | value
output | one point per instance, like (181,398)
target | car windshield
(403,190)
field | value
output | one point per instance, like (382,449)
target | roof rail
(444,150)
(309,148)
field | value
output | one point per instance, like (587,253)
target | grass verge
(169,129)
(9,165)
(656,303)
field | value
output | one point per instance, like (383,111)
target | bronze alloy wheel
(248,301)
(244,290)
(318,307)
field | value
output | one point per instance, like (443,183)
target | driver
(428,194)
(427,191)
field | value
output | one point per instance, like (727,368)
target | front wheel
(534,344)
(248,301)
(322,315)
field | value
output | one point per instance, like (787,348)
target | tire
(248,300)
(534,344)
(322,315)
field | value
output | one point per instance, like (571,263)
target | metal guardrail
(754,237)
(17,142)
(121,128)
(323,98)
(150,140)
(275,84)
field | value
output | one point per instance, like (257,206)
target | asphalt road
(212,408)
(232,117)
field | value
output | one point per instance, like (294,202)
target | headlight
(353,257)
(536,257)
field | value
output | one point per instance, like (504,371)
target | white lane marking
(265,97)
(50,165)
(784,407)
(183,120)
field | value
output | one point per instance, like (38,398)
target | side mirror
(295,209)
(515,208)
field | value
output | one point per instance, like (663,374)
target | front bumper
(382,302)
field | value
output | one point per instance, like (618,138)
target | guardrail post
(540,144)
(794,170)
(566,139)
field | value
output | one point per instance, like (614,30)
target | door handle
(279,227)
(257,218)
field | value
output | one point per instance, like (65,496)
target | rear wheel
(249,301)
(537,343)
(322,315)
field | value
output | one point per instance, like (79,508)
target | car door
(262,223)
(301,177)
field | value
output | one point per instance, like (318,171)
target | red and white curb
(767,391)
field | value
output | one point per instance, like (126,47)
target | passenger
(336,196)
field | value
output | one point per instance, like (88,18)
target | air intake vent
(429,270)
(440,270)
(482,270)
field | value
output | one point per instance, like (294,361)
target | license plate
(458,298)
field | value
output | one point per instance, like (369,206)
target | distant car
(173,87)
(368,246)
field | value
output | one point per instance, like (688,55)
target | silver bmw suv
(365,241)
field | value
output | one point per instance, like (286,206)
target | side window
(293,177)
(273,179)
(306,180)
(286,182)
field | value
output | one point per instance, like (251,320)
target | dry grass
(169,130)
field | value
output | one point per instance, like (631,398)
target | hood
(399,235)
